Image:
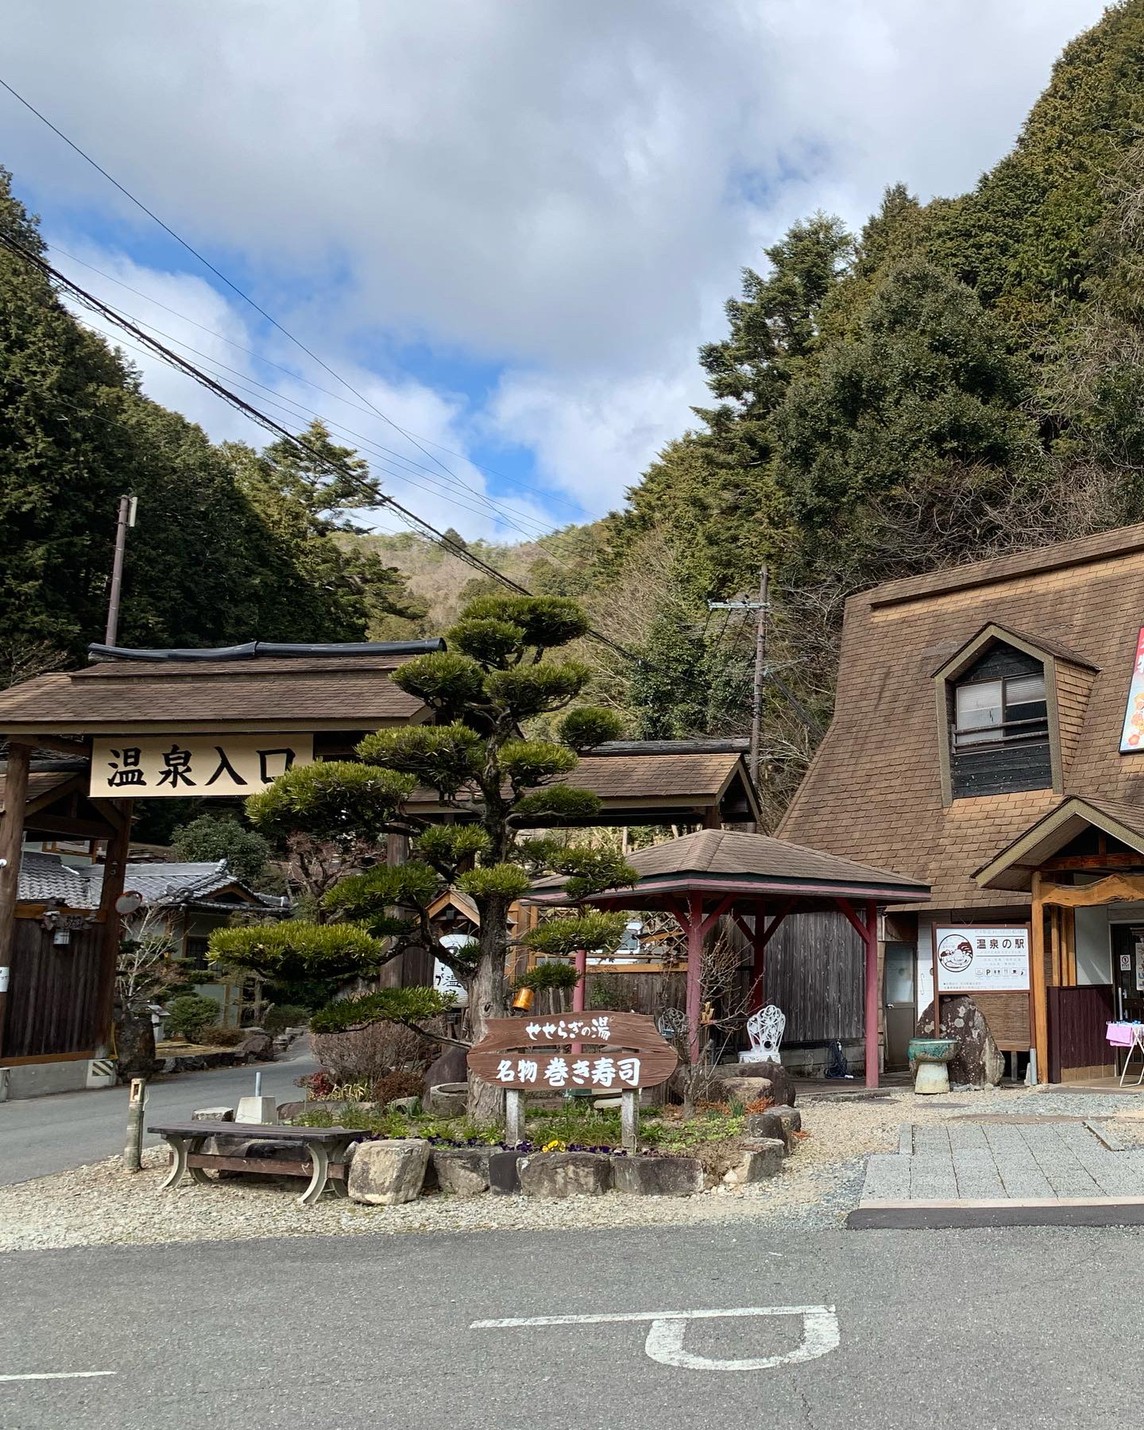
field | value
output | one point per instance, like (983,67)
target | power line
(201,258)
(308,382)
(271,424)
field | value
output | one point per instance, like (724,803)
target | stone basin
(930,1057)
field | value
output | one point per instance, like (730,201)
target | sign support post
(630,1120)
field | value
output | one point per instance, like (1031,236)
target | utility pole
(127,509)
(760,607)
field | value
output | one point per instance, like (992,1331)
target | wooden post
(513,1117)
(580,959)
(1037,979)
(114,872)
(11,842)
(694,973)
(133,1151)
(630,1119)
(872,998)
(759,944)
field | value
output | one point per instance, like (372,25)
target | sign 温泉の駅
(600,1052)
(1132,735)
(205,766)
(971,959)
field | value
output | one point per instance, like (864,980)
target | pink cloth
(1120,1035)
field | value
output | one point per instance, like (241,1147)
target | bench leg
(178,1146)
(320,1161)
(199,1174)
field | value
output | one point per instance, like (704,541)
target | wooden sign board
(205,766)
(601,1052)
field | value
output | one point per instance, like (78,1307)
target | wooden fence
(53,993)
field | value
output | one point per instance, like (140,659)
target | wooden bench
(324,1159)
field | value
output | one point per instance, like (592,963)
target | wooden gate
(1078,1019)
(53,992)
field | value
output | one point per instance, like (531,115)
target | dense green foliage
(210,838)
(231,544)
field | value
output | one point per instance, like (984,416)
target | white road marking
(664,1343)
(61,1375)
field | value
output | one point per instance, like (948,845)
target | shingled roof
(874,788)
(244,689)
(729,860)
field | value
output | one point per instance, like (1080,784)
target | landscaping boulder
(449,1099)
(462,1171)
(287,1111)
(977,1061)
(762,1157)
(742,1089)
(256,1047)
(565,1174)
(388,1172)
(657,1176)
(451,1066)
(213,1114)
(781,1088)
(408,1105)
(504,1172)
(781,1123)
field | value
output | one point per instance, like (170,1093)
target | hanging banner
(203,766)
(1132,736)
(972,959)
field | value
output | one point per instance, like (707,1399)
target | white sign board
(444,979)
(973,959)
(205,766)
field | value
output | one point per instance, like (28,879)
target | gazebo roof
(726,861)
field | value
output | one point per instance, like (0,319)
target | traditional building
(988,738)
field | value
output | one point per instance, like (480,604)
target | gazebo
(703,877)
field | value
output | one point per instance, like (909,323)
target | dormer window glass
(1000,712)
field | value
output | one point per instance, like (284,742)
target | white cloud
(564,190)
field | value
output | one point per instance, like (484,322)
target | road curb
(936,1216)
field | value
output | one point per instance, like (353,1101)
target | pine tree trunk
(487,999)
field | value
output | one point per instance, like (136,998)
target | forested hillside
(960,377)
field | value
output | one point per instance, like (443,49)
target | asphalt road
(39,1135)
(1028,1328)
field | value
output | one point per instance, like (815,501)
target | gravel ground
(101,1204)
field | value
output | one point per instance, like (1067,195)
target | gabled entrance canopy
(703,877)
(1016,864)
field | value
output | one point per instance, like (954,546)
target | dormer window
(999,725)
(1000,712)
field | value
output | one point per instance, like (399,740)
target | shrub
(549,975)
(369,1054)
(403,1082)
(188,1016)
(217,1037)
(285,1015)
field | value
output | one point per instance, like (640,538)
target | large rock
(449,1099)
(451,1066)
(462,1171)
(782,1084)
(762,1157)
(504,1172)
(565,1174)
(214,1114)
(782,1124)
(743,1089)
(256,1047)
(388,1172)
(978,1061)
(657,1176)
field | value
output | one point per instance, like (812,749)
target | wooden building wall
(53,993)
(815,972)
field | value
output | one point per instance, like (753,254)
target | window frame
(971,738)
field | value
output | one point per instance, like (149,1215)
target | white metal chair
(765,1030)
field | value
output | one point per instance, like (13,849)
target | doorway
(1128,971)
(900,1003)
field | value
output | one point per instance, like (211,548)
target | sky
(505,227)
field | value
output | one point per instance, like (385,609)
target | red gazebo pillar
(867,929)
(694,929)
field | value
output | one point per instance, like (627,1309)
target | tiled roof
(349,692)
(45,877)
(873,790)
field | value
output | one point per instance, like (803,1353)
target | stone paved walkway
(968,1161)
